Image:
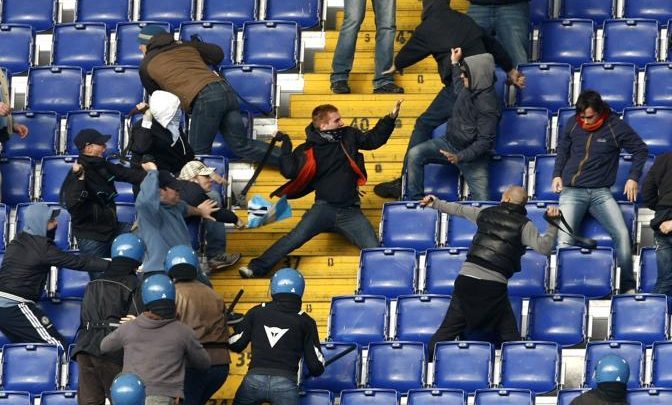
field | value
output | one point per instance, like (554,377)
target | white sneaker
(246,272)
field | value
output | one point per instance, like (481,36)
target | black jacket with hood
(607,393)
(657,189)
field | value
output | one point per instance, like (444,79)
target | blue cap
(148,31)
(612,368)
(157,287)
(127,389)
(287,280)
(129,246)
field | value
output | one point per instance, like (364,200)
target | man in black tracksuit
(330,164)
(23,275)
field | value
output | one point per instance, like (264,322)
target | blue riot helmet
(288,280)
(127,389)
(157,287)
(129,246)
(612,368)
(181,263)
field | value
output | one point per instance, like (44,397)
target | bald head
(515,195)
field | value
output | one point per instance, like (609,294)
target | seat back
(126,212)
(43,129)
(436,396)
(460,230)
(658,84)
(15,398)
(236,11)
(586,272)
(360,319)
(307,13)
(173,12)
(503,171)
(661,358)
(504,396)
(55,88)
(58,398)
(631,41)
(39,14)
(567,41)
(648,269)
(442,267)
(106,122)
(615,81)
(274,43)
(116,88)
(388,272)
(642,317)
(17,180)
(523,130)
(540,10)
(543,177)
(567,395)
(65,315)
(590,228)
(654,125)
(127,51)
(532,279)
(109,12)
(221,33)
(396,365)
(419,316)
(54,170)
(124,190)
(16,47)
(632,352)
(4,228)
(530,365)
(624,166)
(660,10)
(566,119)
(547,85)
(369,397)
(316,397)
(82,44)
(650,396)
(464,365)
(342,374)
(558,318)
(442,181)
(30,367)
(254,85)
(596,10)
(71,283)
(406,224)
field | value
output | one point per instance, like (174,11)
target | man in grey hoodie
(470,135)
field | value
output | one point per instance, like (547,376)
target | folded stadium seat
(441,269)
(436,396)
(221,165)
(16,47)
(65,315)
(4,231)
(585,272)
(396,365)
(30,367)
(596,10)
(632,352)
(624,165)
(307,13)
(17,180)
(15,398)
(236,11)
(73,371)
(124,190)
(109,12)
(530,365)
(82,44)
(567,395)
(501,86)
(567,41)
(316,397)
(460,230)
(127,51)
(547,85)
(464,365)
(532,279)
(369,397)
(254,86)
(62,237)
(116,88)
(558,318)
(543,178)
(658,84)
(517,308)
(650,396)
(43,127)
(648,270)
(631,41)
(195,232)
(654,125)
(504,396)
(590,228)
(566,119)
(358,318)
(219,146)
(221,33)
(71,283)
(523,131)
(660,10)
(540,10)
(173,11)
(58,398)
(39,14)
(55,88)
(661,372)
(441,180)
(274,43)
(54,171)
(387,271)
(615,81)
(642,317)
(419,316)
(107,122)
(342,374)
(406,224)
(126,212)
(504,171)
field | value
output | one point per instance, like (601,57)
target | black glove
(281,137)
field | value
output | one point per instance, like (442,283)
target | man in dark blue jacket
(585,169)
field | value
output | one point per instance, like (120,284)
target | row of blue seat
(600,10)
(46,398)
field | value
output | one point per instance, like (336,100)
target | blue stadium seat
(124,190)
(40,14)
(125,212)
(369,397)
(505,170)
(648,270)
(501,396)
(650,396)
(55,88)
(54,171)
(653,124)
(586,272)
(567,395)
(442,267)
(316,397)
(17,180)
(43,135)
(173,12)
(221,166)
(530,365)
(547,85)
(64,315)
(58,398)
(254,85)
(442,180)
(436,396)
(307,13)
(419,316)
(517,308)
(543,177)
(596,10)
(523,130)
(460,230)
(16,47)
(660,10)
(558,318)
(567,41)
(116,88)
(62,237)
(624,165)
(661,372)
(566,118)
(71,283)
(387,271)
(15,398)
(540,10)
(396,365)
(532,279)
(127,51)
(632,352)
(658,84)
(406,224)
(274,43)
(535,211)
(501,85)
(219,146)
(82,44)
(109,12)
(342,374)
(73,371)
(236,11)
(464,365)
(195,232)
(615,81)
(592,229)
(107,122)
(359,318)
(31,367)
(221,33)
(631,40)
(642,317)
(4,231)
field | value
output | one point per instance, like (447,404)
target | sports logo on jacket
(274,334)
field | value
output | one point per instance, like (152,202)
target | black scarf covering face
(333,135)
(99,181)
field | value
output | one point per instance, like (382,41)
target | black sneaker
(389,88)
(223,260)
(389,189)
(340,87)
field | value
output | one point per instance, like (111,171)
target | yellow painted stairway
(329,262)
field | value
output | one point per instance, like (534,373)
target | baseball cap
(193,169)
(148,31)
(90,136)
(166,179)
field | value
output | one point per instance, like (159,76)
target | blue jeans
(510,24)
(475,172)
(575,202)
(385,11)
(200,385)
(321,217)
(216,108)
(257,388)
(663,264)
(100,249)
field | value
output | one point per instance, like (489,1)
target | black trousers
(95,378)
(26,323)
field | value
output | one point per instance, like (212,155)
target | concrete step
(361,83)
(360,105)
(406,20)
(365,63)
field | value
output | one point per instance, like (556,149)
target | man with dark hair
(329,163)
(585,169)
